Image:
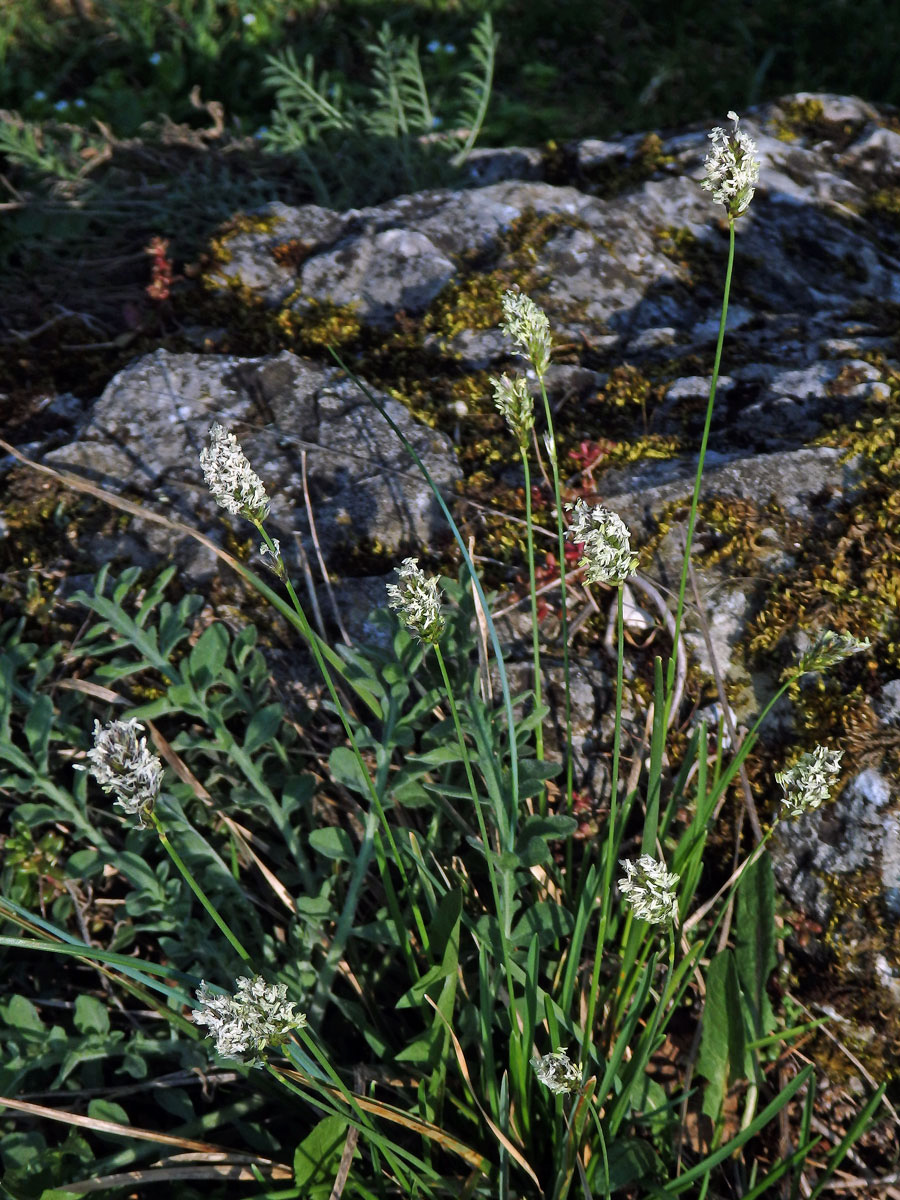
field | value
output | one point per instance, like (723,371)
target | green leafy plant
(347,147)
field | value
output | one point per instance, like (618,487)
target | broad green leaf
(138,872)
(428,982)
(332,842)
(422,1049)
(445,924)
(754,949)
(345,769)
(722,1044)
(318,1156)
(206,660)
(551,922)
(630,1160)
(108,1110)
(263,726)
(37,729)
(85,864)
(414,795)
(20,1013)
(177,1102)
(91,1015)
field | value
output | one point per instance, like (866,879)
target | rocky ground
(627,255)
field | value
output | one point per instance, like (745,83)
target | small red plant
(161,272)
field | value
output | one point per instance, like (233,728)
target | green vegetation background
(567,68)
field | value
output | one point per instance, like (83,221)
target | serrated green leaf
(535,853)
(550,828)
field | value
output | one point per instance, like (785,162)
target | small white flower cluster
(514,403)
(810,780)
(243,1025)
(121,763)
(529,328)
(557,1072)
(650,890)
(229,476)
(829,649)
(732,168)
(417,600)
(607,556)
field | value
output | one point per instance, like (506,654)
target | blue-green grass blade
(657,747)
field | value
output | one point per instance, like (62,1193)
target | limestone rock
(147,429)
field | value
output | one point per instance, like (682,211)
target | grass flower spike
(529,328)
(418,602)
(829,649)
(650,890)
(229,476)
(732,168)
(243,1025)
(810,780)
(557,1072)
(514,403)
(122,764)
(607,556)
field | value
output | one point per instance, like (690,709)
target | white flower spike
(650,890)
(417,600)
(557,1072)
(810,780)
(229,476)
(732,168)
(529,328)
(122,764)
(243,1025)
(514,403)
(829,649)
(607,556)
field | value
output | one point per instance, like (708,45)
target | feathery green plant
(346,148)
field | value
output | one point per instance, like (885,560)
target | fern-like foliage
(351,150)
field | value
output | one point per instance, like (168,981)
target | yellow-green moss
(219,251)
(619,174)
(799,118)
